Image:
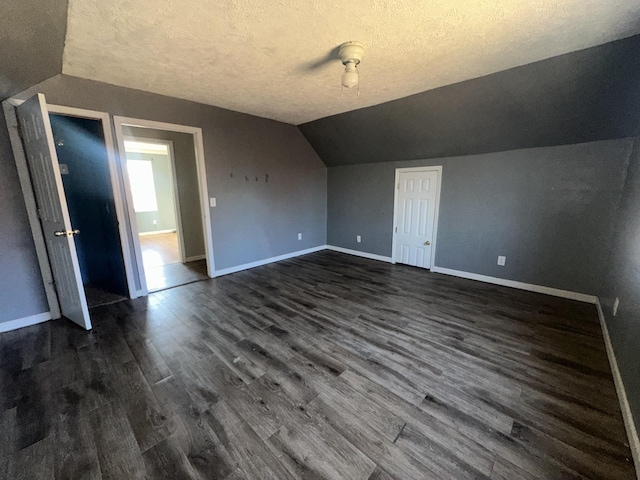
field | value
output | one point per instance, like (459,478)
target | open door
(44,170)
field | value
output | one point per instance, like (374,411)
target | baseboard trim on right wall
(556,292)
(630,426)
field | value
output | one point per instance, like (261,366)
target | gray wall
(549,210)
(623,282)
(32,37)
(574,98)
(187,181)
(164,218)
(254,220)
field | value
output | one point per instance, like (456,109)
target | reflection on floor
(166,276)
(159,249)
(162,265)
(99,296)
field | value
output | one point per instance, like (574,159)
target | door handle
(427,243)
(66,233)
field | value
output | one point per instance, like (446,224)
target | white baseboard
(195,258)
(259,263)
(358,253)
(24,322)
(629,424)
(156,232)
(556,292)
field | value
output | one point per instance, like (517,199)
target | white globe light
(350,76)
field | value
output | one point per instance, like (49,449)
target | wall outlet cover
(212,201)
(616,304)
(299,236)
(502,260)
(358,238)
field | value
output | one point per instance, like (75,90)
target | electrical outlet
(299,236)
(502,260)
(212,202)
(155,222)
(358,238)
(616,304)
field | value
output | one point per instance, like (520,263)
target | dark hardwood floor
(326,366)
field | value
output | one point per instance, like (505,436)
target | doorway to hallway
(162,176)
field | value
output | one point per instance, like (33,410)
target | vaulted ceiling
(277,59)
(583,96)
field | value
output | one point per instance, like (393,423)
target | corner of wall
(627,414)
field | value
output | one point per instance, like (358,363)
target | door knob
(427,243)
(66,233)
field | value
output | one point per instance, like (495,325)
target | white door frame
(116,183)
(119,122)
(396,189)
(174,186)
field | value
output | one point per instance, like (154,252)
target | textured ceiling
(277,59)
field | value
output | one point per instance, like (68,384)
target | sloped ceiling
(278,59)
(589,95)
(32,36)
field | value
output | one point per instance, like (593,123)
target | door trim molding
(24,322)
(119,121)
(435,168)
(627,416)
(116,183)
(32,210)
(556,292)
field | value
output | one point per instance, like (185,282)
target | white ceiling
(273,58)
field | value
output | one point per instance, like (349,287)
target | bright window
(142,186)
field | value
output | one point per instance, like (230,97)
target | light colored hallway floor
(162,267)
(159,249)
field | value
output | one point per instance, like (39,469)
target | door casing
(196,132)
(116,183)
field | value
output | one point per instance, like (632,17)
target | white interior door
(40,153)
(415,217)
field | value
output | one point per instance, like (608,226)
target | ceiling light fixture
(350,56)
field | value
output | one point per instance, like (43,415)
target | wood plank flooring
(326,366)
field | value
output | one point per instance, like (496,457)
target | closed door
(40,153)
(415,217)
